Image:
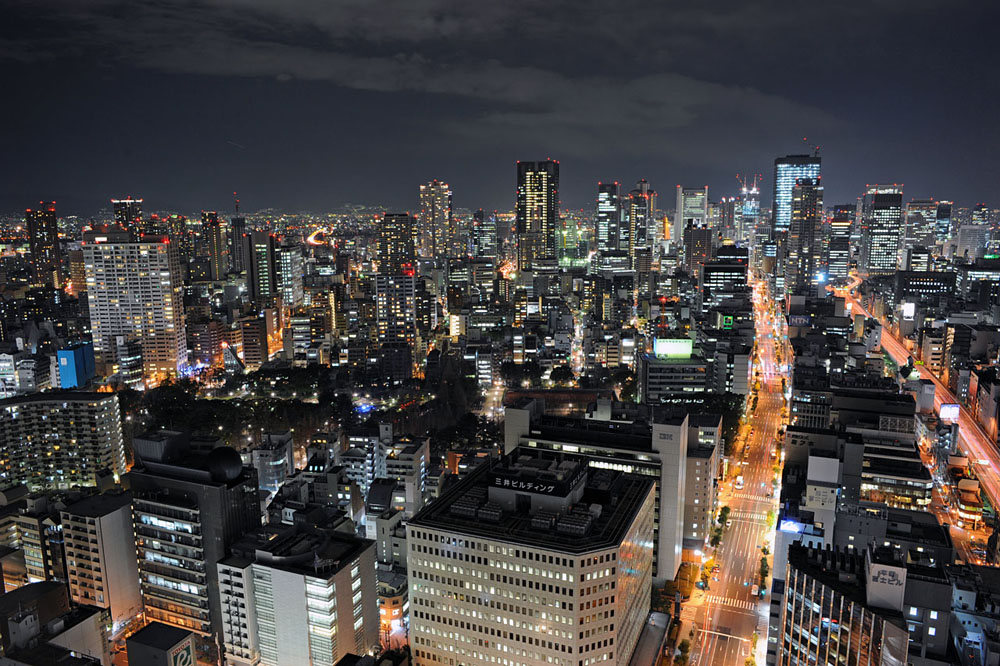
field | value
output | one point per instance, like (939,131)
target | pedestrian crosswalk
(751,496)
(742,604)
(747,515)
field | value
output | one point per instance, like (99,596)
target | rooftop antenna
(237,205)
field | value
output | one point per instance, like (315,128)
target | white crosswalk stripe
(759,498)
(748,515)
(735,603)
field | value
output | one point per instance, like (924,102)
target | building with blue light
(787,170)
(76,365)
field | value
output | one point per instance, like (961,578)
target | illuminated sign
(909,310)
(183,654)
(790,526)
(949,412)
(673,348)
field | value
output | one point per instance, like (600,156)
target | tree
(764,570)
(716,538)
(685,649)
(562,374)
(750,662)
(724,515)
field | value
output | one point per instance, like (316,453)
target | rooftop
(96,506)
(159,636)
(577,509)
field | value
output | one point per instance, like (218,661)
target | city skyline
(225,99)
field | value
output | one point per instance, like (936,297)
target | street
(727,615)
(972,440)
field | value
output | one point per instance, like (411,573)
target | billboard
(673,347)
(909,310)
(798,320)
(949,412)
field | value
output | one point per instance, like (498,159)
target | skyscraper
(839,258)
(691,210)
(238,244)
(128,213)
(921,221)
(641,213)
(437,225)
(43,243)
(218,248)
(942,222)
(60,439)
(609,216)
(523,516)
(395,244)
(484,237)
(881,229)
(290,282)
(537,212)
(803,256)
(262,278)
(750,201)
(135,290)
(787,170)
(188,510)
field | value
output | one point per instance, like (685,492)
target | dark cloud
(687,92)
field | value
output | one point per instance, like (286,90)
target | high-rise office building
(609,216)
(803,251)
(135,290)
(238,244)
(921,222)
(218,248)
(750,202)
(839,258)
(641,218)
(537,212)
(699,241)
(290,273)
(299,595)
(437,225)
(100,555)
(43,244)
(395,307)
(60,439)
(262,278)
(484,234)
(579,577)
(188,511)
(128,213)
(691,209)
(787,170)
(881,229)
(395,244)
(942,222)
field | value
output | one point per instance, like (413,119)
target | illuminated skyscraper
(839,258)
(128,213)
(395,244)
(942,222)
(803,256)
(787,170)
(43,243)
(135,290)
(537,212)
(881,229)
(218,248)
(262,278)
(609,216)
(290,283)
(437,223)
(641,213)
(484,236)
(921,219)
(750,201)
(691,210)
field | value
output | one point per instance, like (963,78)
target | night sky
(311,105)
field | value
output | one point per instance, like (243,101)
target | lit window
(913,611)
